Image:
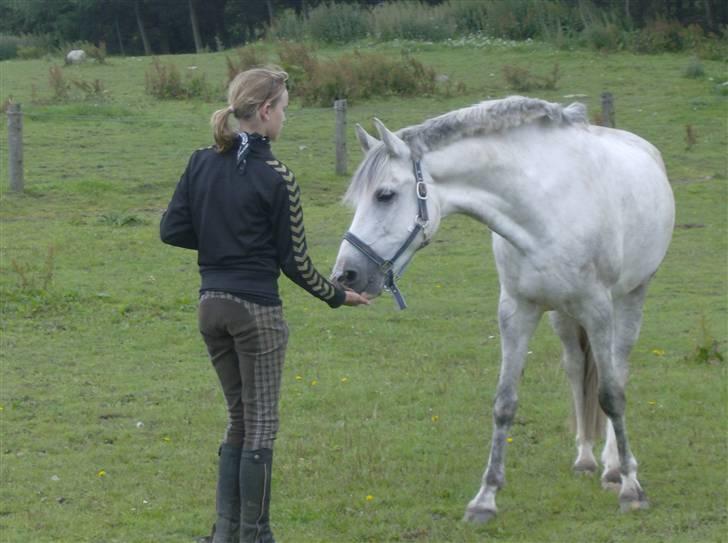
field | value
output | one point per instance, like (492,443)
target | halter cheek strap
(421,221)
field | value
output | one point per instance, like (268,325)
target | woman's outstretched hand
(354,298)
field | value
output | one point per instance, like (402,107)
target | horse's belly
(543,279)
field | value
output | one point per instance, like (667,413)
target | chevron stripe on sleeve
(312,280)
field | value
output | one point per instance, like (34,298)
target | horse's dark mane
(483,118)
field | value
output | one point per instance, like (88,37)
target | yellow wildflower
(370,497)
(101,473)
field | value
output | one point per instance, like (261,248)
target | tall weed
(58,83)
(34,276)
(92,90)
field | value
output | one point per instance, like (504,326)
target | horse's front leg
(517,321)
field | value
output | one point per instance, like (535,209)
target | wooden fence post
(15,147)
(608,110)
(340,134)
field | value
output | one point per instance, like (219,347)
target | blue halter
(421,221)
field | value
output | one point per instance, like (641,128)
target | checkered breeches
(247,346)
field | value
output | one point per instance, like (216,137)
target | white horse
(581,218)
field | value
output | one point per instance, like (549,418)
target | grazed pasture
(110,415)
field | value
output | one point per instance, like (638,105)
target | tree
(195,27)
(142,31)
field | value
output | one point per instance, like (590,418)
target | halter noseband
(421,221)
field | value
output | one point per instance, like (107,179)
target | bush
(602,37)
(512,19)
(408,20)
(355,76)
(165,82)
(562,22)
(29,52)
(9,46)
(659,36)
(248,57)
(522,80)
(298,60)
(338,23)
(289,26)
(469,17)
(26,46)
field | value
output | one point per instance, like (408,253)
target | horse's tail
(594,418)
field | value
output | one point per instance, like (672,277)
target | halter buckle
(421,190)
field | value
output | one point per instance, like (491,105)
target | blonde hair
(246,93)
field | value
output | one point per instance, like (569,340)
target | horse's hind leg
(628,320)
(517,320)
(582,374)
(611,337)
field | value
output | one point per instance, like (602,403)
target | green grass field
(110,413)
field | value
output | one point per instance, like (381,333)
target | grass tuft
(119,219)
(707,348)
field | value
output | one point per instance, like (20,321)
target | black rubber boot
(227,525)
(255,477)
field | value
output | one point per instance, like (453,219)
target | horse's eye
(384,195)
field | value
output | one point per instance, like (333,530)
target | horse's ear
(365,140)
(395,146)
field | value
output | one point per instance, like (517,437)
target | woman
(240,209)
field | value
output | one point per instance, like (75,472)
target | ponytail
(222,133)
(246,93)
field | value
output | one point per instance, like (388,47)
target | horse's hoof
(479,516)
(633,500)
(612,480)
(585,467)
(633,505)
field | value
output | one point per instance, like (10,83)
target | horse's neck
(487,180)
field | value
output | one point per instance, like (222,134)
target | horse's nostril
(348,277)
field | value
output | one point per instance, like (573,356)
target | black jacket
(246,225)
